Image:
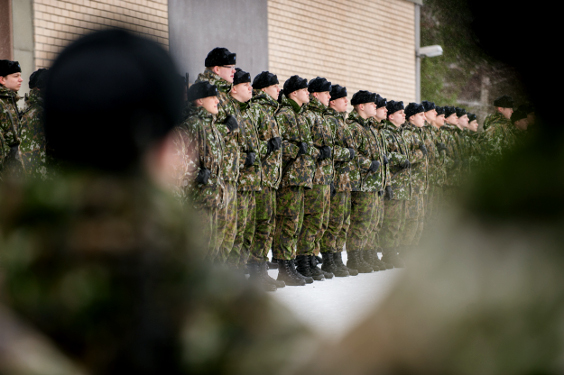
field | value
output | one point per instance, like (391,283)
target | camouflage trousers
(245,228)
(335,236)
(412,227)
(265,223)
(362,209)
(433,203)
(376,224)
(289,217)
(227,221)
(394,218)
(209,218)
(317,201)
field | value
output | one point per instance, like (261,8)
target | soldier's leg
(394,217)
(316,203)
(343,233)
(336,216)
(409,227)
(325,222)
(245,226)
(289,214)
(249,234)
(421,221)
(227,222)
(360,221)
(265,222)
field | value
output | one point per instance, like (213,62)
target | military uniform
(454,170)
(438,163)
(32,135)
(498,137)
(10,160)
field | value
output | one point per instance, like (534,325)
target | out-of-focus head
(109,97)
(38,79)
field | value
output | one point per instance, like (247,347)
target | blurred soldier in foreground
(103,262)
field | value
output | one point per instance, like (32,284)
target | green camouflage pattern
(455,153)
(226,223)
(362,209)
(335,236)
(250,178)
(371,147)
(297,170)
(262,109)
(32,136)
(398,151)
(414,219)
(246,220)
(419,162)
(265,223)
(394,219)
(343,140)
(9,125)
(438,160)
(226,106)
(289,218)
(498,137)
(317,201)
(376,224)
(356,126)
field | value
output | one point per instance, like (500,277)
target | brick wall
(360,44)
(57,23)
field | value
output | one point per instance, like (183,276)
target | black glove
(333,190)
(203,176)
(13,154)
(380,193)
(324,152)
(231,123)
(389,193)
(274,144)
(405,164)
(374,166)
(441,147)
(351,153)
(303,148)
(250,160)
(386,161)
(423,148)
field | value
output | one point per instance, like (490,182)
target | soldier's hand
(380,193)
(386,161)
(333,190)
(13,154)
(303,148)
(374,166)
(250,160)
(324,152)
(405,164)
(351,153)
(274,144)
(231,123)
(389,193)
(423,148)
(203,176)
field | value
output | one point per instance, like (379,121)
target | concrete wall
(196,27)
(6,48)
(22,13)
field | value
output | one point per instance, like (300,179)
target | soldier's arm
(361,152)
(340,151)
(289,147)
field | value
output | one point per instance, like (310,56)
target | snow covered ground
(332,307)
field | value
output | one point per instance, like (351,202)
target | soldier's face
(522,124)
(323,97)
(397,118)
(301,96)
(209,104)
(227,72)
(431,115)
(381,113)
(452,119)
(418,119)
(244,92)
(12,81)
(506,112)
(339,105)
(369,109)
(440,120)
(273,91)
(473,125)
(463,121)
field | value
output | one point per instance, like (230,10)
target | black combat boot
(263,270)
(316,270)
(330,266)
(307,279)
(338,260)
(355,261)
(371,257)
(303,266)
(288,274)
(272,265)
(257,277)
(387,265)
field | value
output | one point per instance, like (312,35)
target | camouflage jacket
(323,136)
(498,137)
(343,140)
(32,136)
(198,135)
(454,172)
(226,106)
(439,161)
(371,147)
(398,151)
(9,124)
(297,170)
(419,161)
(361,161)
(250,178)
(262,110)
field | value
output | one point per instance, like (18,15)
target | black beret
(527,107)
(449,110)
(362,97)
(8,67)
(472,117)
(200,90)
(380,102)
(504,101)
(319,84)
(413,109)
(294,83)
(220,56)
(440,110)
(394,106)
(338,91)
(241,77)
(460,112)
(38,79)
(264,79)
(429,106)
(518,115)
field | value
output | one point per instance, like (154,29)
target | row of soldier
(288,170)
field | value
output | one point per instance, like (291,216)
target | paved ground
(332,307)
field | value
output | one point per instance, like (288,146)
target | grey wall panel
(198,26)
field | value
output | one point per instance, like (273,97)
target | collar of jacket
(221,84)
(332,112)
(263,98)
(354,116)
(315,105)
(200,112)
(287,102)
(35,97)
(6,92)
(389,126)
